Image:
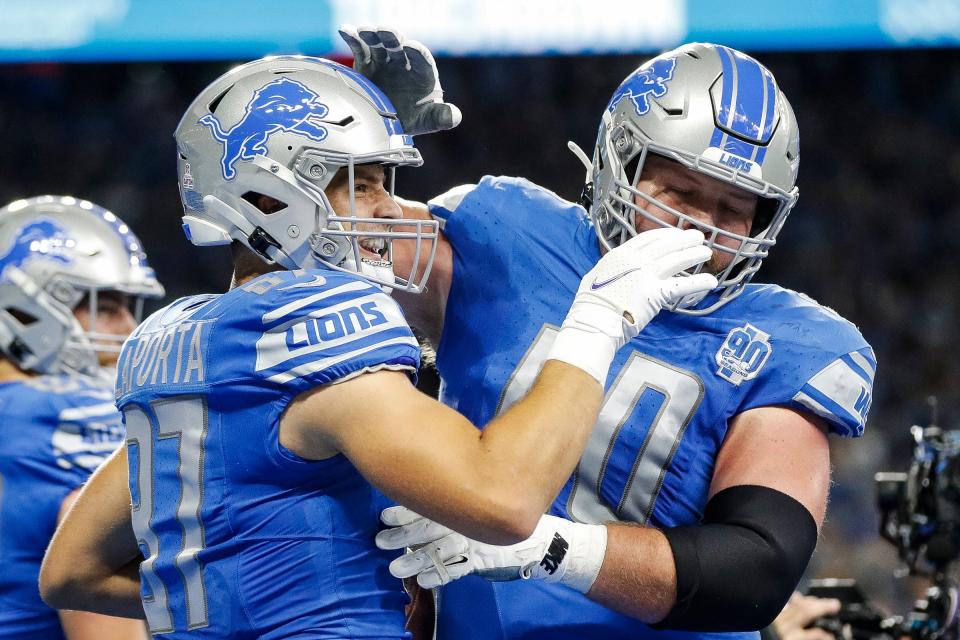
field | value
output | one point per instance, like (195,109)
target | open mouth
(373,249)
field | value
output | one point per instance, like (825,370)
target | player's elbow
(61,585)
(510,520)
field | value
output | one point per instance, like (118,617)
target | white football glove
(406,72)
(558,551)
(624,291)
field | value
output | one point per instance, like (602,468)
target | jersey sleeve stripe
(301,303)
(327,363)
(829,411)
(280,358)
(866,364)
(106,409)
(832,411)
(857,368)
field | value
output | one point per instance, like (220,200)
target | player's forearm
(78,589)
(82,625)
(114,594)
(638,576)
(534,446)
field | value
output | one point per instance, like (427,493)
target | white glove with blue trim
(624,291)
(558,551)
(407,73)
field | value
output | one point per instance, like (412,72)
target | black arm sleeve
(736,570)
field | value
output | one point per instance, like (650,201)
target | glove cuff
(588,546)
(572,553)
(586,349)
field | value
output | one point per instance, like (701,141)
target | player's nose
(122,322)
(386,207)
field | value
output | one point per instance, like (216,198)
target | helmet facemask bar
(347,232)
(109,343)
(615,207)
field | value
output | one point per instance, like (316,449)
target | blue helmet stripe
(738,147)
(725,114)
(749,103)
(770,115)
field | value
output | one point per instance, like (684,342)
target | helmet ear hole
(21,316)
(266,204)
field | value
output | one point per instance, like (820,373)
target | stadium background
(875,233)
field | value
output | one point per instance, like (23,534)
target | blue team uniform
(519,255)
(55,431)
(243,538)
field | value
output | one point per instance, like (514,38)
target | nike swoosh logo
(318,281)
(599,285)
(456,562)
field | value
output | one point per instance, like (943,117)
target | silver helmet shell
(714,110)
(282,127)
(54,251)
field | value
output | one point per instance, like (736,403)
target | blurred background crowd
(874,236)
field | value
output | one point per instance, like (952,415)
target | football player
(709,464)
(263,423)
(68,269)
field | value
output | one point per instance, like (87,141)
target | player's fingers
(398,516)
(360,51)
(432,554)
(649,238)
(419,55)
(814,634)
(418,532)
(391,40)
(815,607)
(393,44)
(679,260)
(370,37)
(436,117)
(680,286)
(454,569)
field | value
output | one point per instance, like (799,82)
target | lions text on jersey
(241,537)
(56,430)
(519,255)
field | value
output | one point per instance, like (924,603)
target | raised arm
(93,561)
(496,484)
(493,483)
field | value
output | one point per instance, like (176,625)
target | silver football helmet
(282,127)
(54,252)
(714,110)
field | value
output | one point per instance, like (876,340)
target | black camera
(920,515)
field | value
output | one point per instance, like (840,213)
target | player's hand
(558,551)
(406,72)
(800,612)
(625,290)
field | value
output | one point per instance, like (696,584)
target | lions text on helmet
(699,137)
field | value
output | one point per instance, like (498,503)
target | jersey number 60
(646,410)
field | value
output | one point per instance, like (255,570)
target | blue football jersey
(241,537)
(55,431)
(519,254)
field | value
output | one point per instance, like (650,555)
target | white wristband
(590,351)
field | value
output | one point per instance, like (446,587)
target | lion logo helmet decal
(649,81)
(280,105)
(40,238)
